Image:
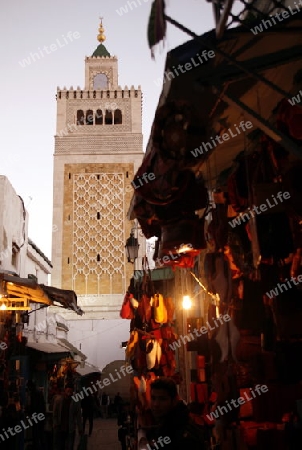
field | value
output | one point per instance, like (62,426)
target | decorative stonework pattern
(94,104)
(98,145)
(98,225)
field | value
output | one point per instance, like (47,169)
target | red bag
(193,392)
(126,311)
(144,309)
(202,393)
(200,362)
(290,119)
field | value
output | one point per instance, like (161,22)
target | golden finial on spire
(101,37)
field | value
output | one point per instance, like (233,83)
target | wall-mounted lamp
(132,247)
(25,317)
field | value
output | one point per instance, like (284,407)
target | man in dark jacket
(88,404)
(36,404)
(172,429)
(66,418)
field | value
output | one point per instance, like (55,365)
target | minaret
(98,148)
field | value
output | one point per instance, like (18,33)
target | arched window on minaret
(80,117)
(100,81)
(99,117)
(89,117)
(108,117)
(118,118)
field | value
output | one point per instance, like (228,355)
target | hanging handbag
(166,183)
(159,309)
(289,119)
(178,131)
(126,311)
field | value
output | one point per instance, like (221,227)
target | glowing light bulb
(186,302)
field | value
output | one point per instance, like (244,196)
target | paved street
(104,435)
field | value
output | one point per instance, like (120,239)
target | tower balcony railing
(79,93)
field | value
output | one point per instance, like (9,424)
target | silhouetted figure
(125,423)
(87,405)
(66,418)
(105,402)
(36,404)
(117,402)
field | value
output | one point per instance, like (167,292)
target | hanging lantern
(132,247)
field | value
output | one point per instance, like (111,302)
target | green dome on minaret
(101,50)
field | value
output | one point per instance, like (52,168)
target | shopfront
(225,150)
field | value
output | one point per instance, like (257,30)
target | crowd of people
(70,415)
(64,418)
(167,422)
(168,419)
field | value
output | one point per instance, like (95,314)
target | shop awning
(87,370)
(66,298)
(165,273)
(72,348)
(48,347)
(19,289)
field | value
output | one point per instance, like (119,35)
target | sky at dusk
(28,104)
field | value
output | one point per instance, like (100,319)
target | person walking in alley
(105,402)
(66,418)
(117,402)
(35,403)
(125,421)
(88,404)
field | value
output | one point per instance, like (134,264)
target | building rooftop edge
(34,246)
(118,88)
(101,57)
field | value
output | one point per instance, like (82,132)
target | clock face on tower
(100,81)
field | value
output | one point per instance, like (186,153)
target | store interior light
(3,291)
(14,304)
(184,248)
(186,302)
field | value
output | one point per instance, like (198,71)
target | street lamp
(132,247)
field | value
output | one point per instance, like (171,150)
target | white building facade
(20,256)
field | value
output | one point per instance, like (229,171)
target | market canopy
(16,290)
(251,73)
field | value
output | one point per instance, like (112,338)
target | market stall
(225,148)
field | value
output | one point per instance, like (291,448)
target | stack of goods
(151,333)
(149,349)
